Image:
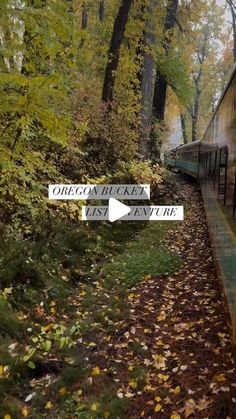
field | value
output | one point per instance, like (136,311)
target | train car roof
(189,145)
(221,98)
(171,149)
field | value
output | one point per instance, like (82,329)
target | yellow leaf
(95,407)
(158,399)
(133,384)
(130,296)
(163,377)
(7,416)
(46,328)
(62,391)
(106,415)
(48,405)
(177,390)
(1,370)
(158,407)
(159,343)
(220,377)
(161,317)
(95,371)
(53,310)
(221,335)
(92,344)
(175,416)
(148,387)
(24,412)
(21,316)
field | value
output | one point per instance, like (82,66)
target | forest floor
(170,356)
(150,338)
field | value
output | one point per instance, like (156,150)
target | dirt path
(177,343)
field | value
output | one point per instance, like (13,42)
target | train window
(206,158)
(234,198)
(222,174)
(215,168)
(209,163)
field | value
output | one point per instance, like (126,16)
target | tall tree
(114,51)
(161,83)
(147,81)
(197,79)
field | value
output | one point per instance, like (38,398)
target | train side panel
(217,177)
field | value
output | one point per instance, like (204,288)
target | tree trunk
(195,116)
(184,130)
(161,84)
(84,22)
(202,54)
(102,11)
(159,98)
(147,83)
(114,52)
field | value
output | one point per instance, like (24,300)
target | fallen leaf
(158,407)
(95,407)
(188,412)
(175,416)
(24,412)
(220,377)
(48,405)
(62,391)
(163,377)
(95,371)
(29,397)
(133,384)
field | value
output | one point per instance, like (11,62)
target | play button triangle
(117,210)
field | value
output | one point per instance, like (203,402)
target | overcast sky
(227,12)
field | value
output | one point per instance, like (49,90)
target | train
(212,162)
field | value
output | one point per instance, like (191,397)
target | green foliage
(10,325)
(178,75)
(142,260)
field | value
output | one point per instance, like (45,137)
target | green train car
(213,162)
